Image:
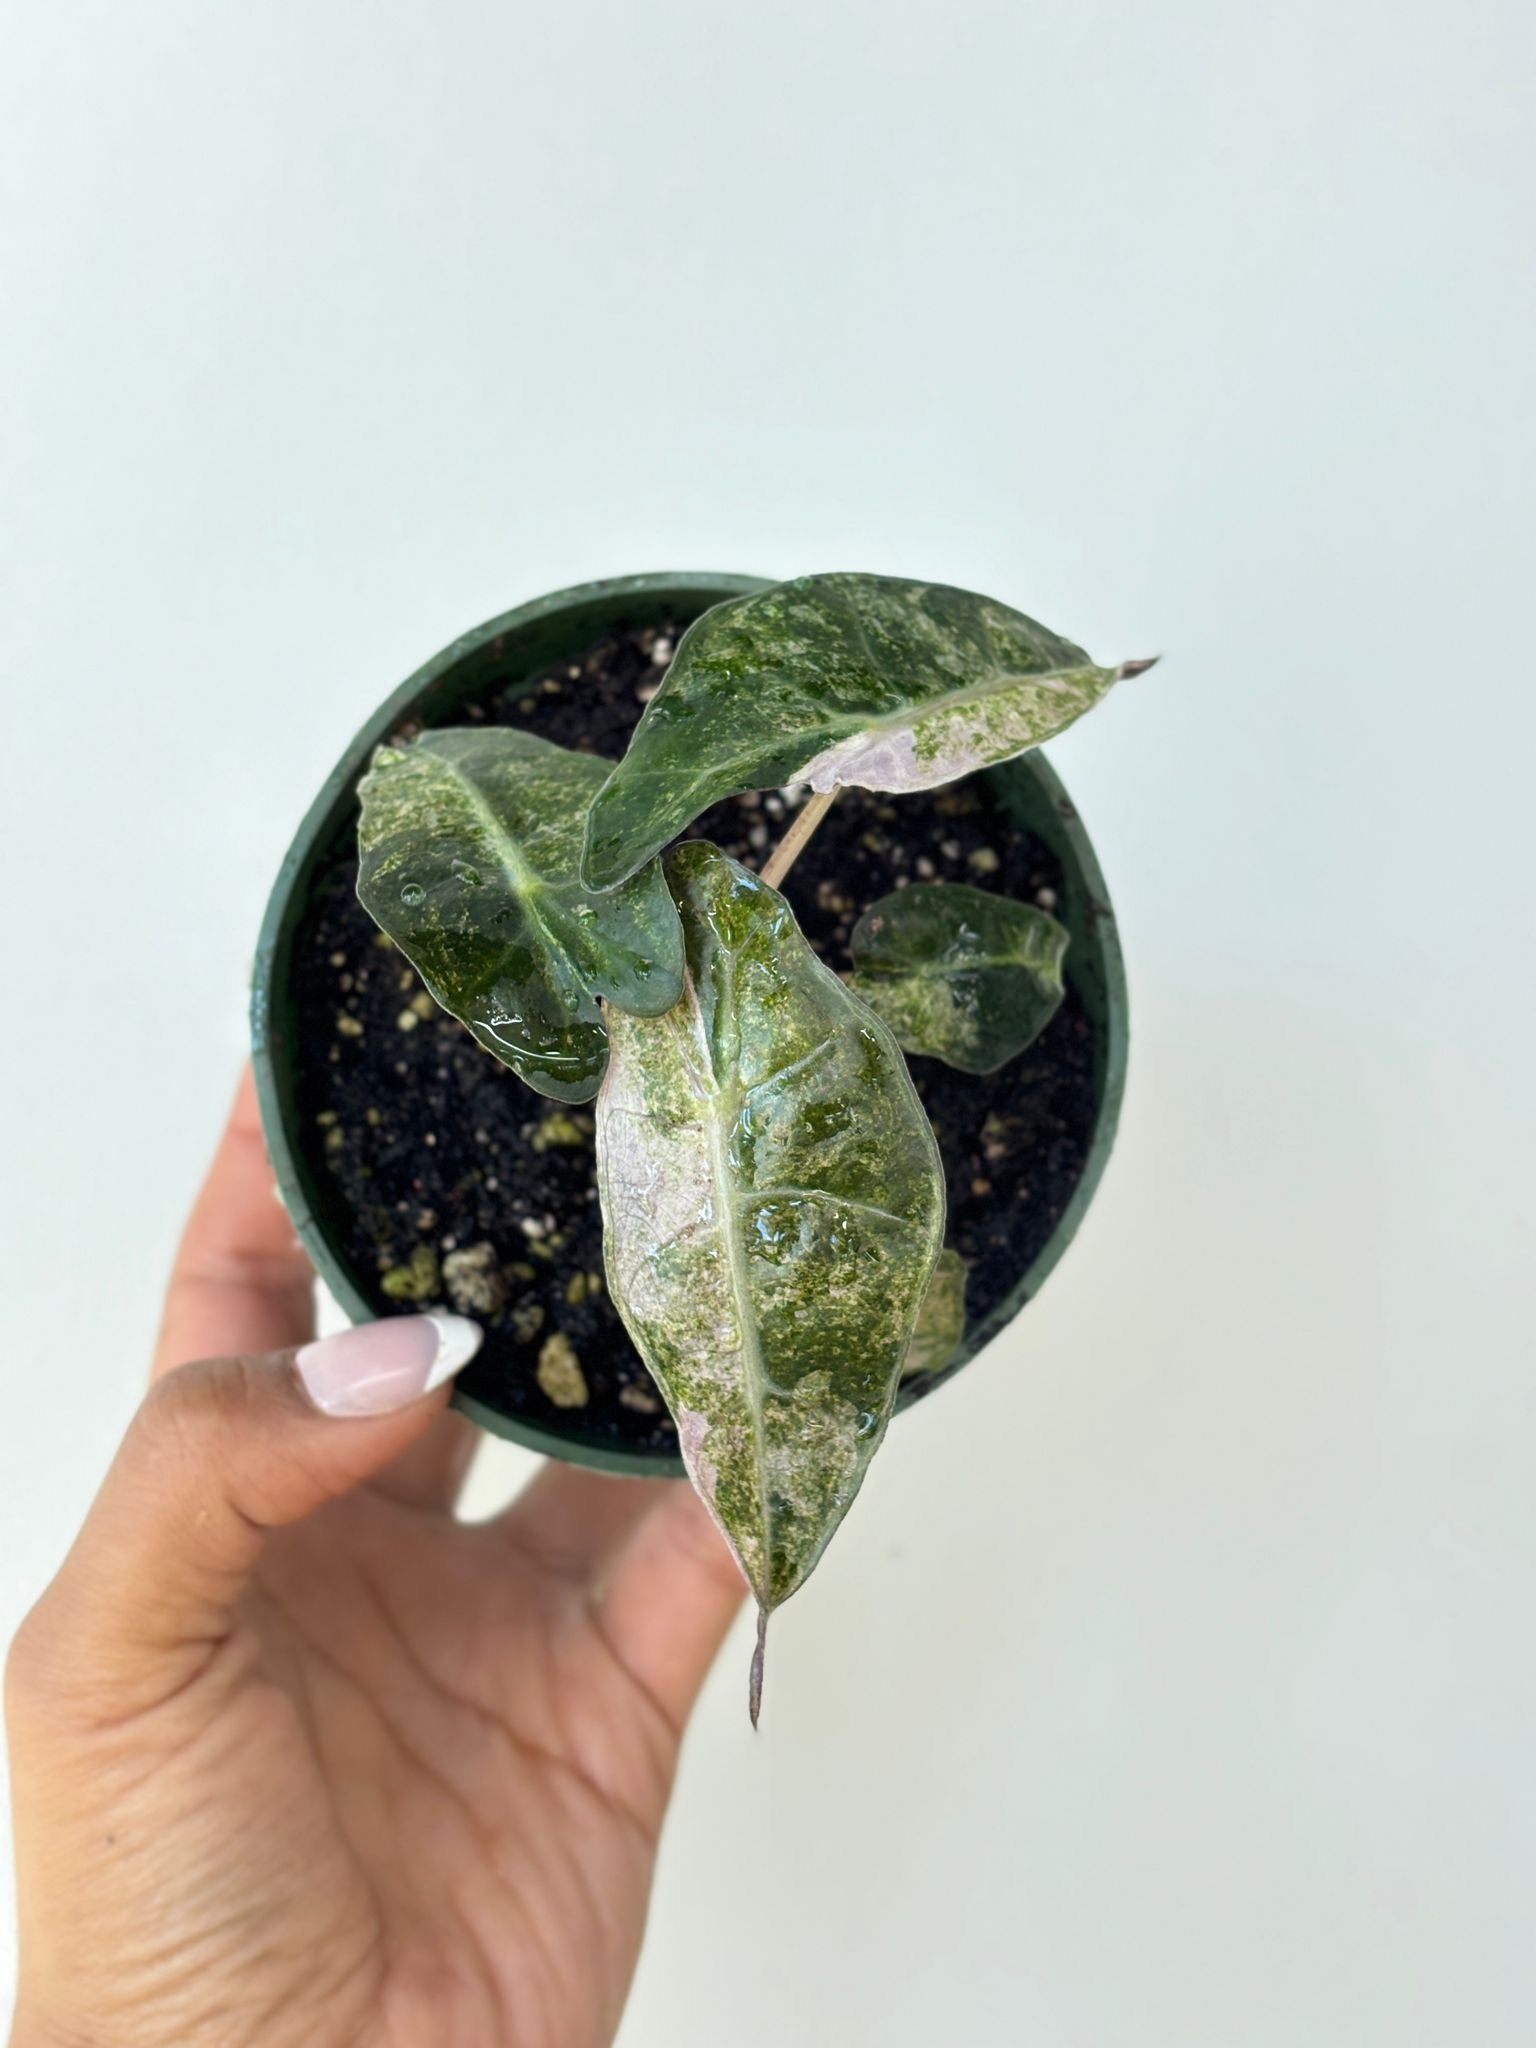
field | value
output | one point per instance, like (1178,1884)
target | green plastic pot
(506,649)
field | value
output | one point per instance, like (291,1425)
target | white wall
(1173,1684)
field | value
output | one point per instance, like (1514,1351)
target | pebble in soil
(451,1182)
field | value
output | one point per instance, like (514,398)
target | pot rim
(285,1150)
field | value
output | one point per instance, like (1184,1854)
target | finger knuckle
(182,1411)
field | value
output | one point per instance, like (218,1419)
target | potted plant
(717,1214)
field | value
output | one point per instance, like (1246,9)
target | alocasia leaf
(959,973)
(940,1320)
(470,844)
(832,679)
(773,1204)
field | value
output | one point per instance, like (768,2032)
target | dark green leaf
(470,844)
(963,975)
(773,1204)
(834,679)
(940,1320)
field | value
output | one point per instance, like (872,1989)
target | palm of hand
(407,1794)
(441,1771)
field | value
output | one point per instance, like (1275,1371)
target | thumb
(219,1454)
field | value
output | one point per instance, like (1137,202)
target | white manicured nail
(381,1366)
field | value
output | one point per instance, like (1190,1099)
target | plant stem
(793,844)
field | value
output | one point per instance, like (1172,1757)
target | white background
(1173,1685)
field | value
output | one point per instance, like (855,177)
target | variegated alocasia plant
(772,1193)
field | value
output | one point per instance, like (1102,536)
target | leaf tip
(1127,669)
(755,1683)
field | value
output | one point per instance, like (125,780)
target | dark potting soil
(452,1183)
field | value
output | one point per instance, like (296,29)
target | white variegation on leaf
(874,680)
(773,1205)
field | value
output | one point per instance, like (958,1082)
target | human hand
(299,1758)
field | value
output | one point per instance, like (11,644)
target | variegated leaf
(963,975)
(940,1320)
(773,1204)
(470,843)
(835,679)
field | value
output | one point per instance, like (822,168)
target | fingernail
(381,1366)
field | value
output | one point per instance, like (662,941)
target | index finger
(242,1282)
